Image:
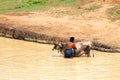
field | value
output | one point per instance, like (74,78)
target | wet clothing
(68,53)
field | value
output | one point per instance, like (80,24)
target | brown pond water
(21,60)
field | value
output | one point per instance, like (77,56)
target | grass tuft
(93,7)
(115,12)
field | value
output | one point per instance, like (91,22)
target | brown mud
(21,34)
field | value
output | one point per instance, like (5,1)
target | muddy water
(20,60)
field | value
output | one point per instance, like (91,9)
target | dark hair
(71,39)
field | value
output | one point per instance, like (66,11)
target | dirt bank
(59,23)
(12,32)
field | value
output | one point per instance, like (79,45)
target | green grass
(21,5)
(7,6)
(28,3)
(63,2)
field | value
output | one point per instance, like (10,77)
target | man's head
(71,39)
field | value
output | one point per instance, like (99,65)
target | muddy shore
(11,31)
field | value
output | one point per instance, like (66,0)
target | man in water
(69,46)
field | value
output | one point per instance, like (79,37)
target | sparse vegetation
(27,3)
(93,7)
(22,5)
(66,3)
(34,5)
(115,12)
(41,5)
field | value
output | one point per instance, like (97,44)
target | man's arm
(74,47)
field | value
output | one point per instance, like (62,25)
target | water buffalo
(82,47)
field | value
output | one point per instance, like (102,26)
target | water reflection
(32,61)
